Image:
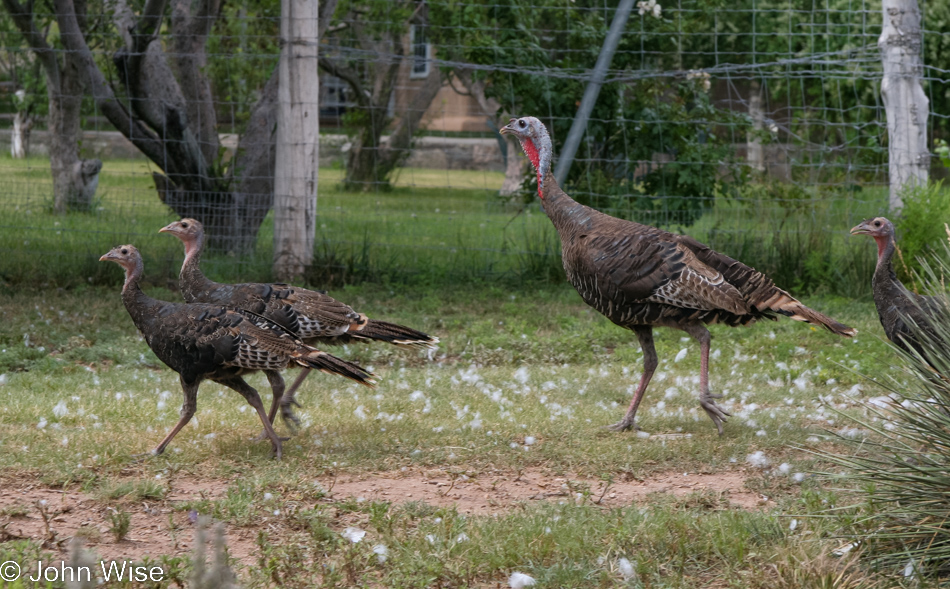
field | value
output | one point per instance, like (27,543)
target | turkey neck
(565,213)
(885,284)
(192,283)
(141,307)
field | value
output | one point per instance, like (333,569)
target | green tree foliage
(654,142)
(242,53)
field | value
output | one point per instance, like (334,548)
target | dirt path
(162,527)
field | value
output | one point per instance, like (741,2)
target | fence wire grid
(756,126)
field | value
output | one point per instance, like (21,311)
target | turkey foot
(287,413)
(624,424)
(716,413)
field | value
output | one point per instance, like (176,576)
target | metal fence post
(593,90)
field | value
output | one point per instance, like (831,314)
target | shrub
(920,227)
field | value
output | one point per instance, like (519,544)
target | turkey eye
(185,225)
(125,251)
(877,223)
(522,124)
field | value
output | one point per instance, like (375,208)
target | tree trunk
(515,167)
(905,104)
(399,146)
(363,170)
(754,155)
(74,180)
(20,137)
(191,22)
(298,140)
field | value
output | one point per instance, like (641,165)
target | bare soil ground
(68,512)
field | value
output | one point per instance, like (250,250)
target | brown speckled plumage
(211,342)
(313,316)
(640,277)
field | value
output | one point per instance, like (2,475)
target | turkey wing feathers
(649,265)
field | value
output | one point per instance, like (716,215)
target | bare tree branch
(95,83)
(348,75)
(23,19)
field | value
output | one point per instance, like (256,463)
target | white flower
(360,413)
(650,7)
(681,355)
(520,580)
(354,535)
(529,440)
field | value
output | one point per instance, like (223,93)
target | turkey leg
(715,412)
(277,388)
(188,407)
(286,402)
(250,394)
(650,362)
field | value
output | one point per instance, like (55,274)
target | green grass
(513,363)
(433,226)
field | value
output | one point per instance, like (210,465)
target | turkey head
(535,142)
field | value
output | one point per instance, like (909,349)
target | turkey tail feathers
(317,360)
(784,304)
(394,334)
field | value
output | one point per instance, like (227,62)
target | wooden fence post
(298,140)
(905,104)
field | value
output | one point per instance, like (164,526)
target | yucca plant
(902,470)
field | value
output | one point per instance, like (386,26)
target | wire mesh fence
(755,125)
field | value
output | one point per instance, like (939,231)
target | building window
(421,52)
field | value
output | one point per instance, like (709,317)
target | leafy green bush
(920,227)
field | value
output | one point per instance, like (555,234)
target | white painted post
(905,104)
(298,140)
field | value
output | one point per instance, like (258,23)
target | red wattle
(532,152)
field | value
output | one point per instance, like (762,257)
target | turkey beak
(508,129)
(170,228)
(860,229)
(109,257)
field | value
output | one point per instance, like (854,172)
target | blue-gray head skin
(535,142)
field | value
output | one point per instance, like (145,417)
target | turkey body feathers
(206,341)
(640,275)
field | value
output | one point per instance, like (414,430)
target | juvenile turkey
(641,277)
(895,304)
(209,342)
(312,316)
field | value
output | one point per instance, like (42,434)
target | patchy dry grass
(503,424)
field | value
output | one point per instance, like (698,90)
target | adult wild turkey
(204,341)
(641,277)
(314,317)
(895,304)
